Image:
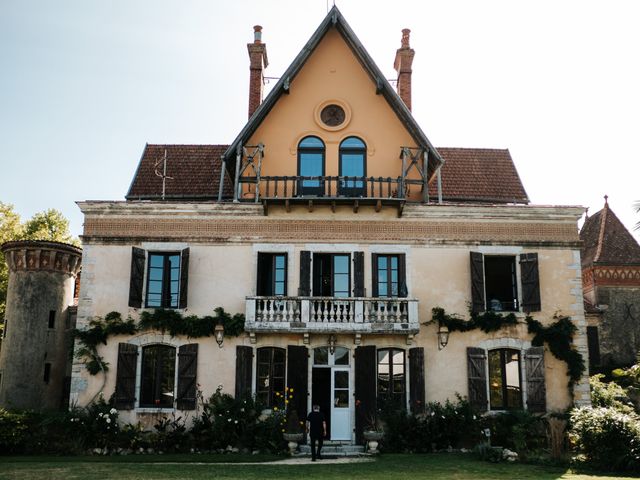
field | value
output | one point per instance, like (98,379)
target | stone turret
(35,360)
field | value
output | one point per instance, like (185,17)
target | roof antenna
(162,175)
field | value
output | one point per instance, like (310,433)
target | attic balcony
(332,315)
(327,190)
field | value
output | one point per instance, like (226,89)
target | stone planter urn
(372,437)
(293,440)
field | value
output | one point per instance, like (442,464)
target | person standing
(317,429)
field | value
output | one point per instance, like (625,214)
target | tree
(49,225)
(637,206)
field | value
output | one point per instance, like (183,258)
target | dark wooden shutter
(416,380)
(137,277)
(365,393)
(358,274)
(297,378)
(374,274)
(187,376)
(477,375)
(305,274)
(244,371)
(402,276)
(125,394)
(530,282)
(536,390)
(477,282)
(593,343)
(184,277)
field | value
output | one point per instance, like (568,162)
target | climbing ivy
(558,336)
(169,321)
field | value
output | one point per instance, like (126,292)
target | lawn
(386,467)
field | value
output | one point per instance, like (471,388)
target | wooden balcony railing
(331,314)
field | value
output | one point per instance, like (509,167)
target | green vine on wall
(558,336)
(169,321)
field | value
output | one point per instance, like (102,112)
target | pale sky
(84,84)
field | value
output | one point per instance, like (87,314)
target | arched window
(391,378)
(157,382)
(353,154)
(311,164)
(270,374)
(505,387)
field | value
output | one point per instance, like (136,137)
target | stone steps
(333,449)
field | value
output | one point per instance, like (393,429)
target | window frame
(515,281)
(273,268)
(332,256)
(391,397)
(504,388)
(402,290)
(351,188)
(157,373)
(269,393)
(166,294)
(303,189)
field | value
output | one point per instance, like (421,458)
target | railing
(325,314)
(280,187)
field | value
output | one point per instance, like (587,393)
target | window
(272,274)
(331,275)
(270,374)
(163,280)
(353,153)
(157,376)
(391,377)
(389,276)
(52,319)
(47,372)
(494,282)
(505,391)
(311,164)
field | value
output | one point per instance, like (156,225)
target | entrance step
(334,449)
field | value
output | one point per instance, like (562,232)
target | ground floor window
(505,388)
(157,380)
(270,374)
(391,377)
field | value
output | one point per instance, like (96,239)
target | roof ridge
(603,219)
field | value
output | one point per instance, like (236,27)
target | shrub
(518,430)
(607,438)
(609,395)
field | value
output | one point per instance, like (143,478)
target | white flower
(236,421)
(113,411)
(228,419)
(100,414)
(108,420)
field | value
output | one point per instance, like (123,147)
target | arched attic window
(353,154)
(311,152)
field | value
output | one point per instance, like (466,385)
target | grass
(386,467)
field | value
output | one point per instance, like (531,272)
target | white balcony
(332,315)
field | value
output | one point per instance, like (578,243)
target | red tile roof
(193,172)
(479,175)
(468,175)
(606,241)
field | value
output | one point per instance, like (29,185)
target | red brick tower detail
(258,62)
(402,65)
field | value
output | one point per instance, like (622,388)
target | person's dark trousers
(316,453)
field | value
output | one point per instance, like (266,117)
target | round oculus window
(332,115)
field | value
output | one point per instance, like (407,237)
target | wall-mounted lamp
(219,333)
(443,336)
(332,343)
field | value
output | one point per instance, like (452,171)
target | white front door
(340,411)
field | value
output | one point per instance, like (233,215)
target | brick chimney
(258,62)
(402,65)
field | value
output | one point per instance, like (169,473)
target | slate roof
(606,241)
(479,175)
(468,175)
(194,172)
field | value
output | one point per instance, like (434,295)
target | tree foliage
(48,225)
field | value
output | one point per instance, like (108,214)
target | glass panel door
(340,411)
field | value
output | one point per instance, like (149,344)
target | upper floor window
(331,275)
(494,282)
(311,152)
(163,280)
(391,377)
(353,153)
(270,374)
(389,275)
(167,274)
(505,390)
(272,274)
(157,376)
